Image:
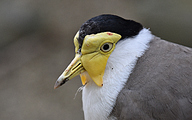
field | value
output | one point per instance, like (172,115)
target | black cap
(109,23)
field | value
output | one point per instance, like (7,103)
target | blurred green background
(36,45)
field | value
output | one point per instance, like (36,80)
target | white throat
(98,102)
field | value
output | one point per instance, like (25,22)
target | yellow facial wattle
(92,57)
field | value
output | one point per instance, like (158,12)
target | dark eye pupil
(106,47)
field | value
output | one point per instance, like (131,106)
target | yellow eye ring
(106,47)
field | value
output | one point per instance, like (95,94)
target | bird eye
(106,47)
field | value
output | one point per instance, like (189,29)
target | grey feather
(160,85)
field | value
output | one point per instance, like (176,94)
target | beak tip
(55,87)
(57,84)
(60,81)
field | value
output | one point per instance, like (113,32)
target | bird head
(94,42)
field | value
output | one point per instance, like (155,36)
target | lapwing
(128,73)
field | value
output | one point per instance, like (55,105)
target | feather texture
(98,102)
(160,86)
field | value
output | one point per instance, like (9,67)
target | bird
(128,73)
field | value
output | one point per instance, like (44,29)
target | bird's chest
(97,102)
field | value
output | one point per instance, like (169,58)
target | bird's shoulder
(160,85)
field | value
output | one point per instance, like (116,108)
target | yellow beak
(73,69)
(93,63)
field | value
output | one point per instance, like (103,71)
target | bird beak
(92,69)
(91,61)
(73,69)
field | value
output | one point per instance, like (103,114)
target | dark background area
(36,45)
